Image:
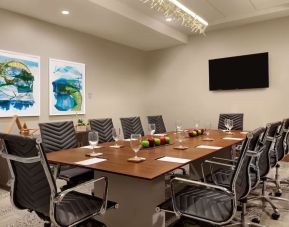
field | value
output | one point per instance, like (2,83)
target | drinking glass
(180,137)
(226,122)
(230,125)
(207,128)
(152,129)
(115,135)
(93,139)
(179,125)
(135,144)
(197,124)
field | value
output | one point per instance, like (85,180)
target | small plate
(136,160)
(208,139)
(94,154)
(181,148)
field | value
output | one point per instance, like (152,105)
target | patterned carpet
(11,217)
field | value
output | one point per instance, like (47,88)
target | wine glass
(179,125)
(207,128)
(93,139)
(197,124)
(180,137)
(135,144)
(230,125)
(115,135)
(226,122)
(152,129)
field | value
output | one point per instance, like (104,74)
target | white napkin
(244,133)
(126,140)
(172,159)
(232,138)
(160,134)
(90,147)
(90,161)
(209,147)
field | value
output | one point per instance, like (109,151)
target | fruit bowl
(196,132)
(152,142)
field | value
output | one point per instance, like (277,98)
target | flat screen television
(240,72)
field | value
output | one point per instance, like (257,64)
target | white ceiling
(134,24)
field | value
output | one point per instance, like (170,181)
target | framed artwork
(19,84)
(66,87)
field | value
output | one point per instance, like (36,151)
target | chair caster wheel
(275,216)
(47,224)
(256,220)
(278,194)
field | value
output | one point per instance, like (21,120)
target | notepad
(209,147)
(90,161)
(90,147)
(232,138)
(127,140)
(244,133)
(172,159)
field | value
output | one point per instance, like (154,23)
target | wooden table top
(150,168)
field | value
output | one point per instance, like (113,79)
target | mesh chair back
(286,138)
(131,125)
(238,119)
(280,138)
(263,161)
(58,136)
(241,180)
(30,187)
(159,122)
(103,127)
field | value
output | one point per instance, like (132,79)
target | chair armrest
(20,159)
(211,169)
(225,159)
(62,194)
(197,183)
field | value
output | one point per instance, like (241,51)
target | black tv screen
(241,72)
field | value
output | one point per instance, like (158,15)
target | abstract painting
(66,87)
(19,84)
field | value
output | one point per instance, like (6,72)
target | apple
(145,143)
(163,140)
(157,141)
(168,140)
(195,133)
(151,142)
(199,132)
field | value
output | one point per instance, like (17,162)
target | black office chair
(103,127)
(131,125)
(280,151)
(211,203)
(57,136)
(159,123)
(33,187)
(238,119)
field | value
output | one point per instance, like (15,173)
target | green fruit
(168,140)
(157,141)
(145,144)
(200,132)
(195,133)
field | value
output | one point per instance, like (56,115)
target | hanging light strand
(180,13)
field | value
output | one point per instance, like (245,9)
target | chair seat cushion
(203,203)
(76,174)
(76,206)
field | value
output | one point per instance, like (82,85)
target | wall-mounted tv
(240,72)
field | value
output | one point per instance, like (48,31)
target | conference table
(139,187)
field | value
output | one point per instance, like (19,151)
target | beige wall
(113,72)
(179,76)
(173,82)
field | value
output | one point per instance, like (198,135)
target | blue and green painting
(17,84)
(67,86)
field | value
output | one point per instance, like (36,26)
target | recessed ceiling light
(65,12)
(169,19)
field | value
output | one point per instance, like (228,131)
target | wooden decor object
(23,129)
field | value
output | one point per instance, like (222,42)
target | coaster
(93,154)
(208,139)
(181,148)
(136,160)
(116,146)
